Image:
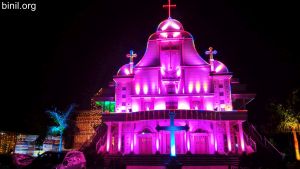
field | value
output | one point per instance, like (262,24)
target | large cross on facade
(169,5)
(172,128)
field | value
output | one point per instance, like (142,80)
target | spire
(169,6)
(211,54)
(131,55)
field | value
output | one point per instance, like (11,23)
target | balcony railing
(180,114)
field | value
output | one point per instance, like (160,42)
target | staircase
(162,160)
(266,152)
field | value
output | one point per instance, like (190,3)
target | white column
(158,142)
(119,136)
(228,136)
(215,136)
(188,141)
(108,136)
(241,132)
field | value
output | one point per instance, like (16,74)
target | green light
(98,103)
(106,105)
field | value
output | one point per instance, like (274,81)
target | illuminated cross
(169,5)
(172,128)
(211,53)
(131,55)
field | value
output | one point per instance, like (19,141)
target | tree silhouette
(60,118)
(290,119)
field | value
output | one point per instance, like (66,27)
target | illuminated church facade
(175,102)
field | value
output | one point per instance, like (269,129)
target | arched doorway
(200,142)
(145,142)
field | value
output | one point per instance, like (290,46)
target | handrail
(252,132)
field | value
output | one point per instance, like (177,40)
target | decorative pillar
(242,142)
(215,136)
(119,136)
(132,140)
(108,136)
(188,141)
(228,136)
(157,142)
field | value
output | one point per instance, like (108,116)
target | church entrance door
(145,144)
(200,143)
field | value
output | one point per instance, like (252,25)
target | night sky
(65,51)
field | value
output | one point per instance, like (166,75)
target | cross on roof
(169,5)
(131,55)
(172,128)
(211,53)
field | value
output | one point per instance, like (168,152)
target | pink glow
(191,86)
(162,70)
(229,143)
(170,23)
(145,89)
(165,26)
(171,72)
(188,144)
(153,87)
(126,71)
(177,90)
(107,145)
(135,107)
(175,34)
(131,146)
(175,26)
(216,145)
(198,87)
(134,139)
(241,136)
(178,71)
(160,106)
(164,34)
(211,139)
(183,105)
(209,106)
(137,89)
(220,67)
(119,138)
(205,86)
(243,145)
(157,144)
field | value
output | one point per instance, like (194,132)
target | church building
(174,102)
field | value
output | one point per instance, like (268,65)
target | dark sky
(63,52)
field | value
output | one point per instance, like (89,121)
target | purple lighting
(172,76)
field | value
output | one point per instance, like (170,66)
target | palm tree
(290,120)
(61,120)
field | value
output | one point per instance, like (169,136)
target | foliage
(60,119)
(288,114)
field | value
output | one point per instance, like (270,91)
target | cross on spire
(169,5)
(211,53)
(131,55)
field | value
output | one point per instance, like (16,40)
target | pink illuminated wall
(172,75)
(172,66)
